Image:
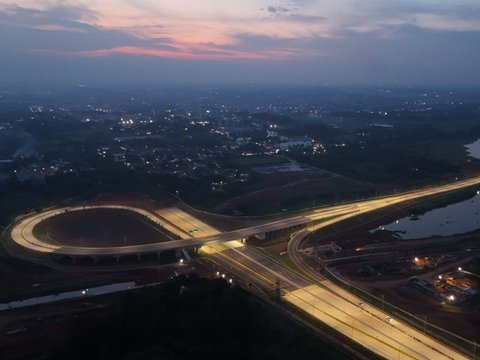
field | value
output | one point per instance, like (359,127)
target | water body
(473,149)
(83,293)
(453,219)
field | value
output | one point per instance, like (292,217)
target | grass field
(300,195)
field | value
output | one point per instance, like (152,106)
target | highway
(369,326)
(22,232)
(324,300)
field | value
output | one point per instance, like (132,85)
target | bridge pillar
(139,257)
(159,253)
(261,236)
(117,258)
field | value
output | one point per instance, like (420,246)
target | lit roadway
(316,295)
(22,232)
(324,300)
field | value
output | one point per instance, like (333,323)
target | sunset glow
(251,31)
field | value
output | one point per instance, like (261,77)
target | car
(390,320)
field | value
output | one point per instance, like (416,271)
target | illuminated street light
(416,259)
(440,277)
(460,269)
(218,273)
(181,261)
(223,276)
(451,298)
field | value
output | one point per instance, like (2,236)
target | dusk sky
(247,41)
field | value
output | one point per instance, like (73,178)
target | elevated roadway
(22,232)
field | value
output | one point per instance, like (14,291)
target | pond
(473,149)
(453,219)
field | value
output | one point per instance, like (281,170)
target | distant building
(32,174)
(294,143)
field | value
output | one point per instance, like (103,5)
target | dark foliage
(192,318)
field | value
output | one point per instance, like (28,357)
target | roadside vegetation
(192,318)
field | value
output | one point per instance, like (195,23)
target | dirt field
(100,227)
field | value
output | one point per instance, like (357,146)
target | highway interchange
(326,301)
(22,232)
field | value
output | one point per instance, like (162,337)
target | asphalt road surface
(22,232)
(324,300)
(369,326)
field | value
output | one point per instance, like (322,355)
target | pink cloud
(200,53)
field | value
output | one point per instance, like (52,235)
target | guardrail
(458,342)
(414,320)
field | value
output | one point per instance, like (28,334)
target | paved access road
(22,234)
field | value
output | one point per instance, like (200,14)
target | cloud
(65,17)
(57,11)
(301,40)
(306,18)
(277,9)
(211,54)
(58,31)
